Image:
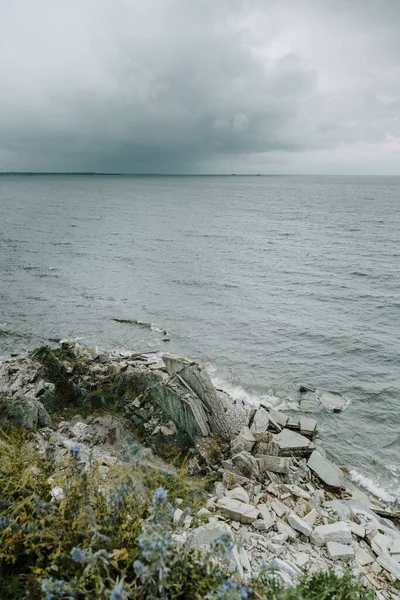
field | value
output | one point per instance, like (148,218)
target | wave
(142,324)
(238,393)
(373,487)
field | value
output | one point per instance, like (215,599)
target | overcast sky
(197,86)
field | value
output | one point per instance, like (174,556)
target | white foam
(240,394)
(372,486)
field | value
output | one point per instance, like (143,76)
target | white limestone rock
(245,440)
(293,444)
(335,532)
(339,551)
(238,493)
(326,471)
(238,511)
(299,524)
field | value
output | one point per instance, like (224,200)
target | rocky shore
(287,506)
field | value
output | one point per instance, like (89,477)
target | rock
(266,445)
(266,516)
(336,550)
(238,493)
(302,559)
(311,517)
(205,536)
(381,544)
(308,426)
(390,565)
(244,441)
(276,549)
(279,417)
(293,423)
(363,557)
(358,530)
(395,547)
(332,401)
(203,512)
(293,444)
(299,524)
(309,403)
(23,411)
(174,365)
(326,471)
(260,420)
(178,515)
(283,527)
(335,532)
(306,387)
(279,508)
(276,464)
(245,464)
(238,511)
(57,493)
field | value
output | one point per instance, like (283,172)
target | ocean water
(269,281)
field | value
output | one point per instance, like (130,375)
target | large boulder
(23,411)
(326,471)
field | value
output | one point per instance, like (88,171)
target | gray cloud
(181,86)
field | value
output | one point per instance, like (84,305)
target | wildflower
(160,496)
(117,495)
(4,523)
(79,556)
(118,592)
(75,452)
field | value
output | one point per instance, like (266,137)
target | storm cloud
(178,86)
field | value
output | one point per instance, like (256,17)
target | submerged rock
(333,401)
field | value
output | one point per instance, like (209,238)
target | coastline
(275,487)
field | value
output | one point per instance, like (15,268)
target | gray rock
(276,464)
(23,411)
(306,387)
(269,521)
(260,421)
(238,493)
(205,536)
(390,565)
(363,557)
(245,464)
(311,517)
(381,544)
(244,441)
(335,532)
(299,524)
(279,417)
(326,471)
(302,559)
(236,510)
(332,401)
(279,508)
(357,529)
(395,547)
(308,426)
(293,444)
(339,551)
(309,403)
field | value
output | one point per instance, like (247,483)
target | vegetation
(72,533)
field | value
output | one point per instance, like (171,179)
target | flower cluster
(75,452)
(160,496)
(4,523)
(118,592)
(55,589)
(223,545)
(117,495)
(231,590)
(79,556)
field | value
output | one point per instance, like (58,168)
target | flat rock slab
(306,387)
(244,441)
(326,471)
(279,417)
(363,557)
(293,444)
(238,511)
(308,426)
(333,401)
(335,532)
(390,565)
(299,524)
(309,403)
(238,493)
(276,464)
(339,551)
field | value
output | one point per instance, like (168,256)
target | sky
(200,86)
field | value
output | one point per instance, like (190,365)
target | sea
(268,281)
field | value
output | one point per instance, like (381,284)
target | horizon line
(121,174)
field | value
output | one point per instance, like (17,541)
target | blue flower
(79,556)
(118,592)
(75,452)
(4,523)
(160,496)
